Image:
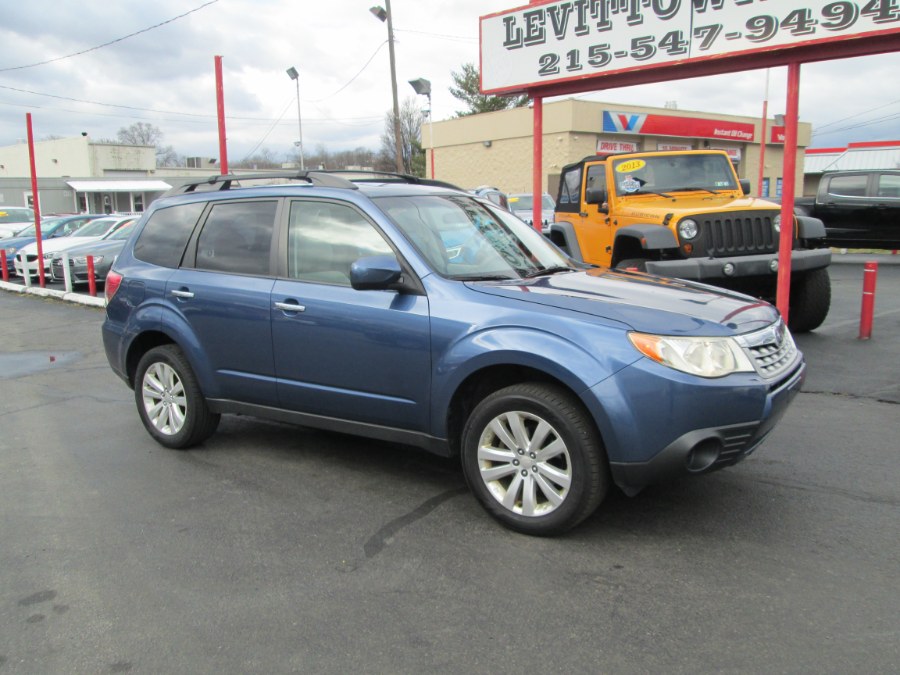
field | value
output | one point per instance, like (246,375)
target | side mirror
(745,185)
(598,196)
(375,273)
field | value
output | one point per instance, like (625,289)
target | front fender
(651,237)
(573,366)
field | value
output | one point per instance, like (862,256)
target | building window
(138,203)
(764,192)
(778,187)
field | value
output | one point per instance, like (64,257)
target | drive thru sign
(551,48)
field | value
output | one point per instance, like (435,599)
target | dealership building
(496,148)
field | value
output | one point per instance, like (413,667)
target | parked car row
(58,235)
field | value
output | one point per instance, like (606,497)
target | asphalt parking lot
(277,549)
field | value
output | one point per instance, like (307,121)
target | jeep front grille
(737,233)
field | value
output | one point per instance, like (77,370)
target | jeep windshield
(464,239)
(665,174)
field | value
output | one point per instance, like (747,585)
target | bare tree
(141,133)
(411,119)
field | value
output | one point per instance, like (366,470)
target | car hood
(643,302)
(656,208)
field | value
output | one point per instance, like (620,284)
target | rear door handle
(290,307)
(183,294)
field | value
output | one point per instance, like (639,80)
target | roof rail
(318,178)
(367,176)
(333,179)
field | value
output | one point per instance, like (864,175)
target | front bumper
(708,449)
(706,269)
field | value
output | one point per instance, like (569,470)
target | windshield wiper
(482,277)
(547,271)
(648,192)
(688,189)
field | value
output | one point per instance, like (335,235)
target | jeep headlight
(777,223)
(701,356)
(688,229)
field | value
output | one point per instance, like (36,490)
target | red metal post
(762,143)
(37,208)
(787,192)
(538,165)
(92,283)
(220,109)
(870,276)
(4,272)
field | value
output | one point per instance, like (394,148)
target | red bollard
(92,283)
(870,276)
(3,264)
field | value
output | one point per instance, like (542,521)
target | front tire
(169,399)
(810,300)
(533,458)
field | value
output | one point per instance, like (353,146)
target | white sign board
(576,39)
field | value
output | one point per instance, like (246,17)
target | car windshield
(95,228)
(464,239)
(13,215)
(47,226)
(525,202)
(673,173)
(122,232)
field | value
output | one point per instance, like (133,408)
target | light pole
(381,14)
(423,88)
(295,76)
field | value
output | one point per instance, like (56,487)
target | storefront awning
(118,185)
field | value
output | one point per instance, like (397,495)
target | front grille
(772,349)
(737,233)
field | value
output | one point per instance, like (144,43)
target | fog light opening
(728,269)
(703,455)
(773,265)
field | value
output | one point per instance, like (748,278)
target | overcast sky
(165,75)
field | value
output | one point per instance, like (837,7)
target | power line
(111,42)
(200,116)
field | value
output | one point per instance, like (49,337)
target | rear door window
(237,238)
(165,235)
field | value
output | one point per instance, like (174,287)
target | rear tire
(534,460)
(810,300)
(169,399)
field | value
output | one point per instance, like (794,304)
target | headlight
(48,256)
(82,259)
(688,229)
(10,251)
(777,223)
(701,356)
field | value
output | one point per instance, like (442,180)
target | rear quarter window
(166,234)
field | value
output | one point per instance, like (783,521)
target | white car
(13,219)
(26,257)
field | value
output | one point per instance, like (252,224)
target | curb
(77,298)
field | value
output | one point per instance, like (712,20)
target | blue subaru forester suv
(402,309)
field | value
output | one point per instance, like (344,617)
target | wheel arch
(641,241)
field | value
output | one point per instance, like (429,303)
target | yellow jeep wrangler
(688,215)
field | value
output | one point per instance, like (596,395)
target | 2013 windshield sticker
(631,165)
